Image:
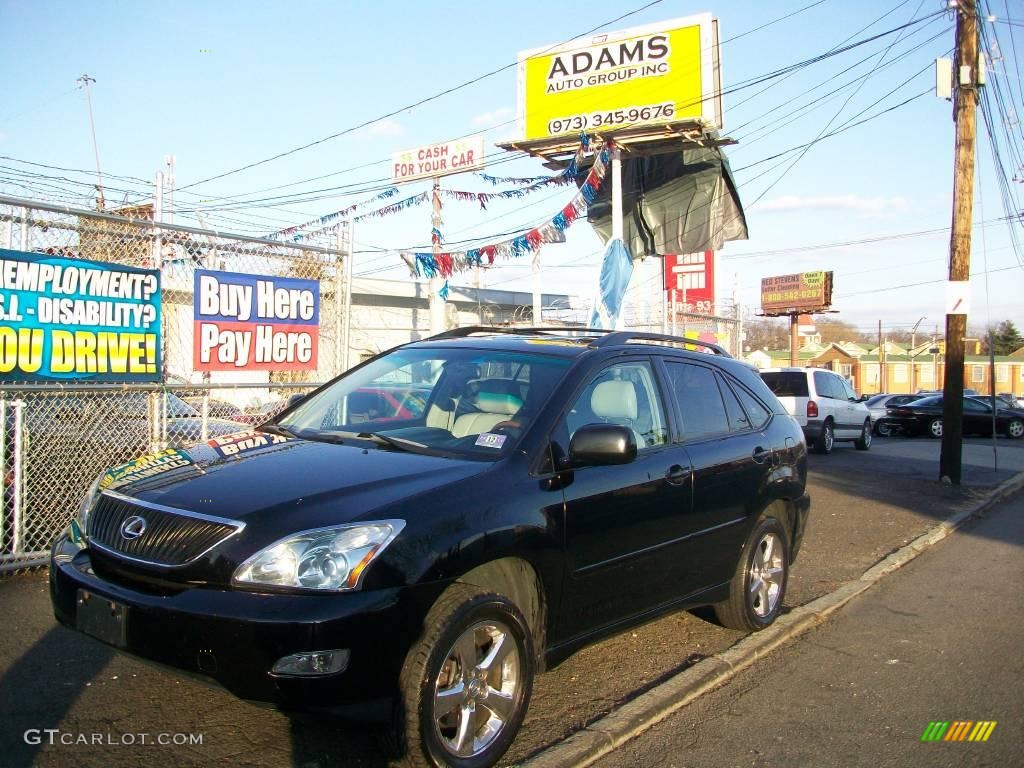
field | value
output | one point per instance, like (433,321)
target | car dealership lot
(865,504)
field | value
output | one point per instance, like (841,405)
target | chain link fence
(55,439)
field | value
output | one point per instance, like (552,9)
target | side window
(823,385)
(700,402)
(738,421)
(624,393)
(756,411)
(848,390)
(974,405)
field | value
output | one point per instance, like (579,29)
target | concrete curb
(630,720)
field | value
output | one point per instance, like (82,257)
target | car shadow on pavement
(319,739)
(31,702)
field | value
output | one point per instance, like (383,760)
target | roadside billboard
(435,160)
(64,319)
(657,73)
(690,280)
(798,293)
(246,322)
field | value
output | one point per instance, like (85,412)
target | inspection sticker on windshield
(490,440)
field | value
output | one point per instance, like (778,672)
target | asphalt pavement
(937,641)
(865,505)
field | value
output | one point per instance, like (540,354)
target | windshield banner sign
(255,322)
(64,319)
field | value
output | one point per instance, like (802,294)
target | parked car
(877,406)
(219,409)
(100,430)
(925,417)
(555,489)
(261,413)
(824,404)
(1010,400)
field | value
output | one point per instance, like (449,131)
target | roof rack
(469,330)
(624,337)
(607,338)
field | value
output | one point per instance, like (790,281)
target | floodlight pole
(951,455)
(437,316)
(617,227)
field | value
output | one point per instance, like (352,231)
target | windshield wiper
(278,429)
(397,442)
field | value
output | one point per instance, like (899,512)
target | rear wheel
(1015,429)
(826,439)
(935,428)
(759,585)
(883,429)
(466,683)
(864,441)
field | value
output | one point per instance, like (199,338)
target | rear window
(786,383)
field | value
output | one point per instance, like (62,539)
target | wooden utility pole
(966,79)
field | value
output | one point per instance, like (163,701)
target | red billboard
(690,281)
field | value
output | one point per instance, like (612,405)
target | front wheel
(1015,429)
(466,683)
(864,441)
(935,427)
(759,585)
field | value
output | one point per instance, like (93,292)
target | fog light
(312,663)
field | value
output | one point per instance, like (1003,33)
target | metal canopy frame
(633,141)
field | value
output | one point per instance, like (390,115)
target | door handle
(677,474)
(760,454)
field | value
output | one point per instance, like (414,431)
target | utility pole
(965,112)
(913,357)
(85,80)
(881,368)
(169,216)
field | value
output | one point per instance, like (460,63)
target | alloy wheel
(475,692)
(767,575)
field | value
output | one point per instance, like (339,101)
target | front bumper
(234,636)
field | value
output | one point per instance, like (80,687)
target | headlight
(80,523)
(323,559)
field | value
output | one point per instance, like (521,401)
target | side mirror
(602,444)
(296,398)
(864,398)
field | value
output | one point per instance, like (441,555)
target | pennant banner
(446,264)
(390,192)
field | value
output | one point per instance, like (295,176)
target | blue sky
(221,85)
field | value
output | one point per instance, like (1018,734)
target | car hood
(253,474)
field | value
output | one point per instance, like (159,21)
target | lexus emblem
(133,527)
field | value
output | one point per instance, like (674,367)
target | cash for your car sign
(67,319)
(435,160)
(665,72)
(255,322)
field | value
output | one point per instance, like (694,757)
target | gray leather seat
(491,408)
(615,402)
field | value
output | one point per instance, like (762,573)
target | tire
(1015,429)
(883,429)
(863,442)
(466,626)
(935,428)
(758,587)
(826,439)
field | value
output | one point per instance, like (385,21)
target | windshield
(463,403)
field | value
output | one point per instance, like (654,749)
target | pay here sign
(255,322)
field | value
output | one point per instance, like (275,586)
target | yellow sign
(659,73)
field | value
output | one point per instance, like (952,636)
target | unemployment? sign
(71,319)
(255,322)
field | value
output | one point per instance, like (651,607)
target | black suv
(559,485)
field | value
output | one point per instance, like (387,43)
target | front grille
(171,536)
